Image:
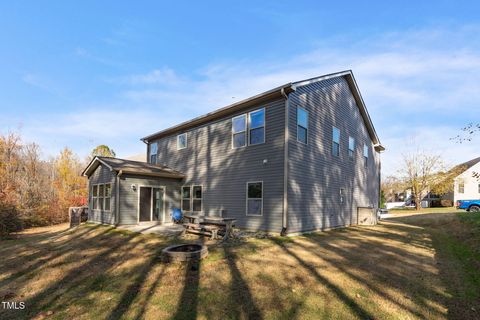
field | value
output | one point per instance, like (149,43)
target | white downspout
(117,198)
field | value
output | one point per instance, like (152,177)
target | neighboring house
(300,157)
(467,184)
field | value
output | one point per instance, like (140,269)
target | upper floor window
(365,154)
(461,188)
(256,123)
(478,188)
(302,125)
(336,141)
(153,153)
(239,131)
(181,141)
(351,147)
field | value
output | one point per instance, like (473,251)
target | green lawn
(426,210)
(411,267)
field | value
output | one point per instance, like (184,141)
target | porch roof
(132,167)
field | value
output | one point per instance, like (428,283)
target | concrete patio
(166,230)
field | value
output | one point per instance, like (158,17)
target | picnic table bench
(210,226)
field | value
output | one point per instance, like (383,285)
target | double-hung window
(101,189)
(302,125)
(478,188)
(95,197)
(192,198)
(181,141)
(336,142)
(186,197)
(153,153)
(101,196)
(256,123)
(351,148)
(461,188)
(197,196)
(365,154)
(108,194)
(248,129)
(239,131)
(254,198)
(342,195)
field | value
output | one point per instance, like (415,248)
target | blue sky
(111,72)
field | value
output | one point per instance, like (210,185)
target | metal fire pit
(184,252)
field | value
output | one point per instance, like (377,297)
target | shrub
(9,220)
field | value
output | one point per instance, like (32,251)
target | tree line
(35,191)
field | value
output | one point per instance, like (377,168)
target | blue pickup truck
(469,205)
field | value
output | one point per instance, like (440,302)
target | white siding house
(467,184)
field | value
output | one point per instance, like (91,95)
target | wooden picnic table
(228,223)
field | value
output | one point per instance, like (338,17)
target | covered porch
(126,192)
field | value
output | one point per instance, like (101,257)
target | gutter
(219,113)
(285,166)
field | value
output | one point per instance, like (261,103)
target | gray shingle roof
(132,167)
(467,165)
(276,92)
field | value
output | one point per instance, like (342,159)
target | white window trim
(246,130)
(189,198)
(93,196)
(103,197)
(353,150)
(308,117)
(461,184)
(178,141)
(192,198)
(150,154)
(264,127)
(247,198)
(365,157)
(333,141)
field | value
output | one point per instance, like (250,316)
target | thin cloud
(418,83)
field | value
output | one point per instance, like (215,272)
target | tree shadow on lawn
(44,253)
(355,308)
(392,273)
(245,305)
(457,260)
(97,256)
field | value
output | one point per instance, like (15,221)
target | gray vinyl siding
(101,175)
(315,175)
(209,160)
(129,198)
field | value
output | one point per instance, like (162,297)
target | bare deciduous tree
(426,172)
(40,191)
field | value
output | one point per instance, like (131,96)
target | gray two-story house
(300,157)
